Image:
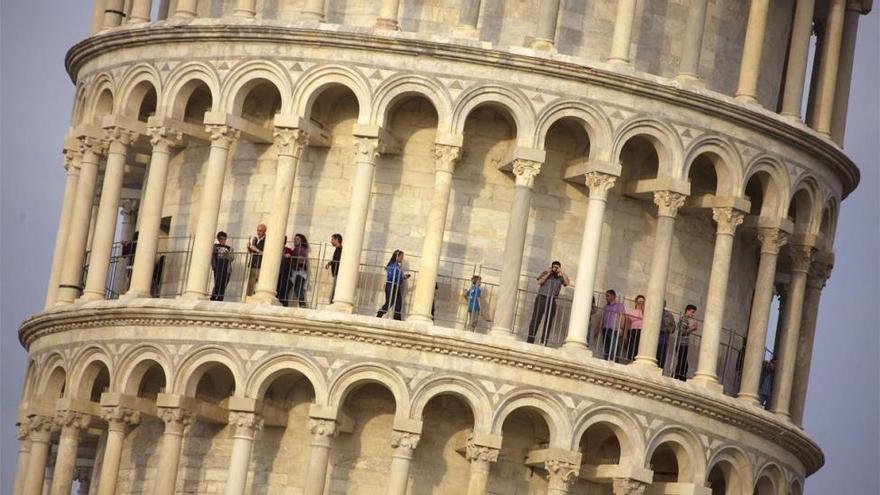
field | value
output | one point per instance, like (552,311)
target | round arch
(399,87)
(466,390)
(194,366)
(728,166)
(549,408)
(775,188)
(739,474)
(776,477)
(314,81)
(101,99)
(688,451)
(806,199)
(85,368)
(362,373)
(273,366)
(134,85)
(621,423)
(180,85)
(513,101)
(593,119)
(243,77)
(135,363)
(662,137)
(53,377)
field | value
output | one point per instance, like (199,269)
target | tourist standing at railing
(299,273)
(613,316)
(634,327)
(550,282)
(687,326)
(255,248)
(765,390)
(473,296)
(221,261)
(394,278)
(667,328)
(128,251)
(284,283)
(333,264)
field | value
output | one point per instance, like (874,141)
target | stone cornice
(441,341)
(760,121)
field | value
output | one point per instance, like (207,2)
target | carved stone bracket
(72,160)
(526,171)
(290,142)
(626,486)
(772,240)
(562,472)
(72,422)
(404,441)
(599,184)
(727,219)
(476,452)
(445,157)
(668,202)
(323,427)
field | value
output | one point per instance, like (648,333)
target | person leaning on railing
(221,261)
(687,326)
(255,247)
(550,282)
(634,327)
(394,278)
(613,315)
(473,297)
(299,271)
(333,264)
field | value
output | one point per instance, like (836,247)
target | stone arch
(621,423)
(595,123)
(512,100)
(737,469)
(180,85)
(86,368)
(804,206)
(194,366)
(688,451)
(398,87)
(30,380)
(772,472)
(548,407)
(362,373)
(314,81)
(828,221)
(79,105)
(271,367)
(245,76)
(796,487)
(469,392)
(134,364)
(774,184)
(728,165)
(135,85)
(662,137)
(53,378)
(101,99)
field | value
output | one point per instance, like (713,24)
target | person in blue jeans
(394,278)
(473,295)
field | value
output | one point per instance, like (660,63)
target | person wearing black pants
(550,282)
(333,264)
(221,261)
(687,325)
(394,278)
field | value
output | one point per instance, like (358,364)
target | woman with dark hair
(394,277)
(299,269)
(284,283)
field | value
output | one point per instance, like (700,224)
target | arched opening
(724,478)
(28,385)
(601,449)
(703,174)
(103,107)
(100,383)
(55,384)
(193,101)
(152,381)
(523,431)
(439,465)
(216,383)
(142,101)
(764,487)
(146,380)
(258,101)
(640,158)
(664,462)
(800,211)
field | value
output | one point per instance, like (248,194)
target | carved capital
(119,135)
(290,142)
(72,160)
(404,440)
(92,145)
(599,184)
(222,136)
(563,472)
(475,452)
(727,219)
(819,274)
(526,171)
(22,431)
(626,486)
(668,202)
(245,423)
(41,424)
(165,137)
(175,417)
(366,150)
(72,420)
(322,427)
(445,157)
(772,240)
(119,415)
(801,256)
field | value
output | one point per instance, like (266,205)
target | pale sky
(36,97)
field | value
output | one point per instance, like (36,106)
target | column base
(387,24)
(648,364)
(341,307)
(576,350)
(750,399)
(91,296)
(193,296)
(782,414)
(689,79)
(620,62)
(708,382)
(542,44)
(244,14)
(313,16)
(502,333)
(419,318)
(747,98)
(794,117)
(262,298)
(132,295)
(468,32)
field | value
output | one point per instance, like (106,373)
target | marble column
(246,425)
(323,431)
(819,273)
(366,152)
(692,41)
(514,245)
(313,10)
(727,220)
(844,74)
(97,23)
(114,13)
(108,213)
(579,322)
(627,486)
(24,452)
(798,54)
(72,161)
(388,15)
(222,139)
(793,312)
(119,421)
(186,9)
(622,37)
(289,144)
(80,221)
(404,444)
(563,475)
(445,158)
(830,58)
(72,425)
(163,140)
(548,14)
(481,458)
(41,429)
(772,240)
(668,203)
(246,9)
(468,19)
(753,46)
(140,12)
(176,422)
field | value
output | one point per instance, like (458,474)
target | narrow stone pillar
(404,444)
(819,273)
(98,464)
(72,161)
(176,422)
(445,158)
(24,452)
(563,475)
(481,458)
(622,37)
(97,17)
(246,9)
(186,9)
(119,421)
(323,432)
(80,220)
(72,425)
(772,240)
(692,42)
(514,244)
(114,13)
(727,219)
(828,70)
(668,203)
(49,475)
(548,14)
(798,53)
(627,486)
(140,11)
(222,138)
(366,152)
(750,66)
(108,213)
(579,322)
(468,19)
(791,325)
(844,74)
(289,144)
(164,140)
(41,429)
(246,425)
(388,15)
(313,10)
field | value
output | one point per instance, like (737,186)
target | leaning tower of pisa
(676,152)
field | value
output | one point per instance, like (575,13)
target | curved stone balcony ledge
(425,339)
